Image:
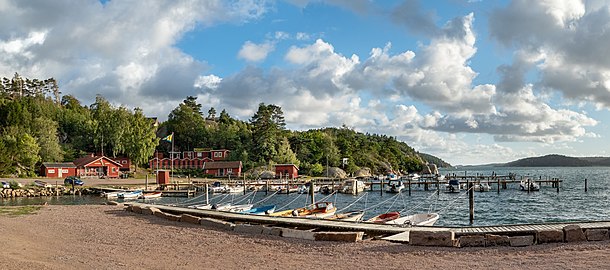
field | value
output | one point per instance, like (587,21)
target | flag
(169,138)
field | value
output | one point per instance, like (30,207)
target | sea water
(510,206)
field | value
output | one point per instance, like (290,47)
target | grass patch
(19,210)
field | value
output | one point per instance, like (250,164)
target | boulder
(573,233)
(496,240)
(363,172)
(550,236)
(435,238)
(216,224)
(596,234)
(299,234)
(471,241)
(136,209)
(190,219)
(521,241)
(339,236)
(334,172)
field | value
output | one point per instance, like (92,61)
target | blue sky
(469,81)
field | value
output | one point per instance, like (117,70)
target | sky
(471,82)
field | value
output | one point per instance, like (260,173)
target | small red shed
(223,168)
(286,171)
(162,177)
(97,166)
(57,170)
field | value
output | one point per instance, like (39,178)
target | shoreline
(108,237)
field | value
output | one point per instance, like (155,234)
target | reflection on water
(509,207)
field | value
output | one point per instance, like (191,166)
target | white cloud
(255,52)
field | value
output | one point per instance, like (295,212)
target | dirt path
(106,237)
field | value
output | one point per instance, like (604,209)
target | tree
(212,114)
(140,138)
(267,124)
(45,132)
(285,154)
(19,151)
(185,121)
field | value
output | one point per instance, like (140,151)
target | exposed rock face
(363,172)
(334,172)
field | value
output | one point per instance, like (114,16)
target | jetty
(481,236)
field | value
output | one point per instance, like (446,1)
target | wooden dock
(392,233)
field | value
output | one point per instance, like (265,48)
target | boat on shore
(130,195)
(153,195)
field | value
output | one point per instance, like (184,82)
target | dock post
(528,185)
(380,187)
(266,187)
(471,202)
(585,184)
(438,187)
(311,191)
(557,184)
(207,198)
(498,185)
(146,183)
(409,186)
(287,187)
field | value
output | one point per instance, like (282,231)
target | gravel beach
(107,237)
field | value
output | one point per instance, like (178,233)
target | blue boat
(263,210)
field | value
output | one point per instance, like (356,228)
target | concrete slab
(272,231)
(299,234)
(492,240)
(573,233)
(190,219)
(136,209)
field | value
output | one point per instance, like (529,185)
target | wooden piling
(498,185)
(311,191)
(409,186)
(471,202)
(381,187)
(557,184)
(585,184)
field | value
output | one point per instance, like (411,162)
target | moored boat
(482,187)
(352,186)
(394,186)
(528,184)
(354,216)
(453,186)
(262,210)
(385,217)
(425,219)
(318,210)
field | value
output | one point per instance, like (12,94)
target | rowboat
(384,218)
(156,194)
(41,183)
(263,210)
(112,195)
(427,219)
(233,208)
(354,216)
(318,210)
(130,195)
(233,189)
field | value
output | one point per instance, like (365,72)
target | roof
(222,165)
(286,165)
(84,161)
(59,164)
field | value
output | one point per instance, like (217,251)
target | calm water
(509,207)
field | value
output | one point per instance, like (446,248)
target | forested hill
(38,125)
(560,161)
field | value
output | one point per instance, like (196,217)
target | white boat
(234,189)
(112,195)
(130,195)
(352,186)
(427,219)
(304,189)
(533,186)
(234,208)
(354,216)
(453,186)
(394,186)
(482,187)
(152,195)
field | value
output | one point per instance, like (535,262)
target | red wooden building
(97,166)
(125,163)
(286,171)
(57,170)
(223,168)
(189,160)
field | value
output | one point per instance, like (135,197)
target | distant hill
(560,161)
(434,160)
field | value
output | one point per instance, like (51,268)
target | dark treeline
(37,125)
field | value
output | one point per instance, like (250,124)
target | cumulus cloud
(255,52)
(122,50)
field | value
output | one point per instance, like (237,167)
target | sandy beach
(107,237)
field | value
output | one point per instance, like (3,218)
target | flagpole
(171,175)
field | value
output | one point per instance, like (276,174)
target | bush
(15,185)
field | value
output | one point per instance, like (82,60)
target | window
(113,169)
(51,170)
(217,154)
(64,171)
(124,161)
